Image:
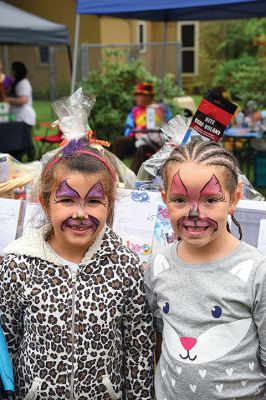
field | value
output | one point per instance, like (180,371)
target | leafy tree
(112,86)
(249,82)
(243,71)
(243,36)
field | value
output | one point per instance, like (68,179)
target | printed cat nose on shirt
(188,343)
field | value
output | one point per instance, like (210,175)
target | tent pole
(6,59)
(69,54)
(75,55)
(165,34)
(179,67)
(52,75)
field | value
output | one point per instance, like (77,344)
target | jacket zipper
(74,275)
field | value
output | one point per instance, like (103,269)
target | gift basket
(15,177)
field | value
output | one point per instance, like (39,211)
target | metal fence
(158,57)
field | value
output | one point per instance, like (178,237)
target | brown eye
(211,200)
(178,200)
(94,201)
(65,201)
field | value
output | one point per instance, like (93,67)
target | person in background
(255,118)
(20,100)
(137,120)
(5,80)
(137,117)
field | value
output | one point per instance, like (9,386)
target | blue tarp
(174,10)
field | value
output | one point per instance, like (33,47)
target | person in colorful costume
(136,120)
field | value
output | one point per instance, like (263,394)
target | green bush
(112,86)
(250,82)
(245,79)
(243,71)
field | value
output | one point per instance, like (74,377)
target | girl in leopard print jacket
(72,300)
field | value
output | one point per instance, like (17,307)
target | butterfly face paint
(80,208)
(195,202)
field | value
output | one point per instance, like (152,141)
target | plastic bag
(248,190)
(73,113)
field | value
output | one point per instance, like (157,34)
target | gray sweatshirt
(213,320)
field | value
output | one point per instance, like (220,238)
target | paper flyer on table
(11,221)
(34,216)
(250,214)
(135,215)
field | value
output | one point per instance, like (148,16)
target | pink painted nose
(188,342)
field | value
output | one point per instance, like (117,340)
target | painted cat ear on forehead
(177,184)
(213,185)
(96,190)
(64,189)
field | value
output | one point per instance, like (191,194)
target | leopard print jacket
(87,336)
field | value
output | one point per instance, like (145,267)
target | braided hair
(206,153)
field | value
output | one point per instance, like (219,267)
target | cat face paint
(80,208)
(195,202)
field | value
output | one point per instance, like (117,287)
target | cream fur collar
(33,244)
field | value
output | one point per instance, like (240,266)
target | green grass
(43,110)
(44,113)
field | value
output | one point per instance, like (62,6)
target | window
(188,36)
(142,36)
(44,55)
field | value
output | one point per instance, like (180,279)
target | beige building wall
(164,58)
(114,30)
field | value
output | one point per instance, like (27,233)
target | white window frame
(142,44)
(194,48)
(40,62)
